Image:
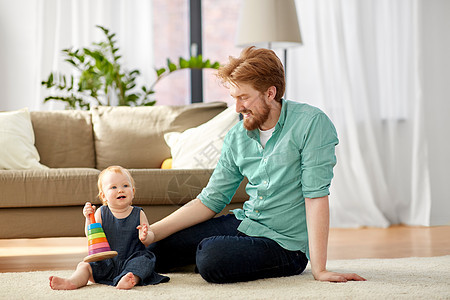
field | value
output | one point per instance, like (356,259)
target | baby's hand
(145,234)
(143,231)
(88,209)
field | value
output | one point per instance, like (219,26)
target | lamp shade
(268,23)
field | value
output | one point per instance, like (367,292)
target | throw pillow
(64,138)
(133,137)
(17,139)
(200,147)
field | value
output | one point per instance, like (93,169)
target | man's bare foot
(58,283)
(127,281)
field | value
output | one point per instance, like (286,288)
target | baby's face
(117,190)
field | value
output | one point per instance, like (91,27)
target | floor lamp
(271,24)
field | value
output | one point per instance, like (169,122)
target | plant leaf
(161,71)
(151,103)
(206,64)
(172,67)
(183,63)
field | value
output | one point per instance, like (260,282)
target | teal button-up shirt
(297,162)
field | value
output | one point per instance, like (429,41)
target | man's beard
(255,121)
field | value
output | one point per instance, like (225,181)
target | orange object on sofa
(167,164)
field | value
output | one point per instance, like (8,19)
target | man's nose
(239,106)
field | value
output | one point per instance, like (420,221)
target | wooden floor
(395,242)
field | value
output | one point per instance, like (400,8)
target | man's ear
(271,92)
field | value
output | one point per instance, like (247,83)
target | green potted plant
(101,77)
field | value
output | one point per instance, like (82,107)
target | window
(172,39)
(220,22)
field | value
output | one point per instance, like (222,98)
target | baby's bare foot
(127,282)
(58,283)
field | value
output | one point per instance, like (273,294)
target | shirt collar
(282,117)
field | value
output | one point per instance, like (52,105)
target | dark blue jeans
(222,254)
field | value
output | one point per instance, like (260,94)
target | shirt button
(265,181)
(256,211)
(260,197)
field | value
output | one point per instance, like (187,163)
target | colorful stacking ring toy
(97,243)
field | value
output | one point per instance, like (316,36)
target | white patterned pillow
(200,147)
(17,150)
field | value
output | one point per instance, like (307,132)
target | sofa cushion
(48,188)
(64,139)
(17,151)
(168,187)
(133,137)
(75,186)
(174,187)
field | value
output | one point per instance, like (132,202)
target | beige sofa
(76,145)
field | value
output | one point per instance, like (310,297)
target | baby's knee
(86,269)
(84,266)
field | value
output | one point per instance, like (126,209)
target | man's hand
(338,277)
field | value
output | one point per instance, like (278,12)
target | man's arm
(318,221)
(186,216)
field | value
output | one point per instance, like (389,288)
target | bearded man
(286,150)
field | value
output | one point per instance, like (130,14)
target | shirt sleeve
(224,181)
(318,157)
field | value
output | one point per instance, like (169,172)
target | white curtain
(360,64)
(65,24)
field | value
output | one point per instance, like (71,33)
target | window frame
(196,48)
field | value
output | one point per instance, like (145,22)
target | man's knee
(211,259)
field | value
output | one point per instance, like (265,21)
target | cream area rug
(404,278)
